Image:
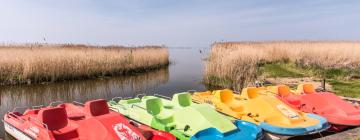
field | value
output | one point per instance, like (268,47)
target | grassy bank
(37,63)
(343,81)
(238,64)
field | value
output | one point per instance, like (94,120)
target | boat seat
(66,133)
(236,107)
(168,106)
(147,134)
(227,97)
(252,92)
(155,107)
(294,100)
(283,90)
(165,117)
(73,112)
(57,122)
(184,99)
(308,88)
(97,107)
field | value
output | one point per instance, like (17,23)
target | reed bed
(235,64)
(37,63)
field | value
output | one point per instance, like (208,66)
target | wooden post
(323,84)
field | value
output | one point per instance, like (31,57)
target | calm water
(186,73)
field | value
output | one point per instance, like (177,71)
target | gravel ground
(351,134)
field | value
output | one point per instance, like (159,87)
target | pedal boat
(338,112)
(67,121)
(273,116)
(185,120)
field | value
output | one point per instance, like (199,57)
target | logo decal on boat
(287,112)
(124,132)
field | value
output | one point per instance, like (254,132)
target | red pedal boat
(338,112)
(92,121)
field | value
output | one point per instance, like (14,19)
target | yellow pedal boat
(265,110)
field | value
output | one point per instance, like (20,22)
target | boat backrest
(97,107)
(154,106)
(226,96)
(252,92)
(184,99)
(308,88)
(283,90)
(54,117)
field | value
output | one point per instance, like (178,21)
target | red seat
(67,133)
(56,120)
(97,107)
(55,117)
(73,112)
(284,90)
(309,88)
(294,100)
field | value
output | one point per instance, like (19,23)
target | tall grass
(36,63)
(235,64)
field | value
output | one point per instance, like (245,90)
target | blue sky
(196,23)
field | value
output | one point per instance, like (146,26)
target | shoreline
(236,65)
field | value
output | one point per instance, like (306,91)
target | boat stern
(245,131)
(297,131)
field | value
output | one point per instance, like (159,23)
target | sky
(176,23)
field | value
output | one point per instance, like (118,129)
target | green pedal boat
(183,119)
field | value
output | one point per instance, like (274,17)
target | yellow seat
(252,92)
(227,97)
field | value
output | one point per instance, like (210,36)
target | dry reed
(47,63)
(234,64)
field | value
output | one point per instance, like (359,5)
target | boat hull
(338,112)
(336,115)
(16,133)
(92,121)
(266,111)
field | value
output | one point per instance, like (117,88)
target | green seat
(169,106)
(184,99)
(155,107)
